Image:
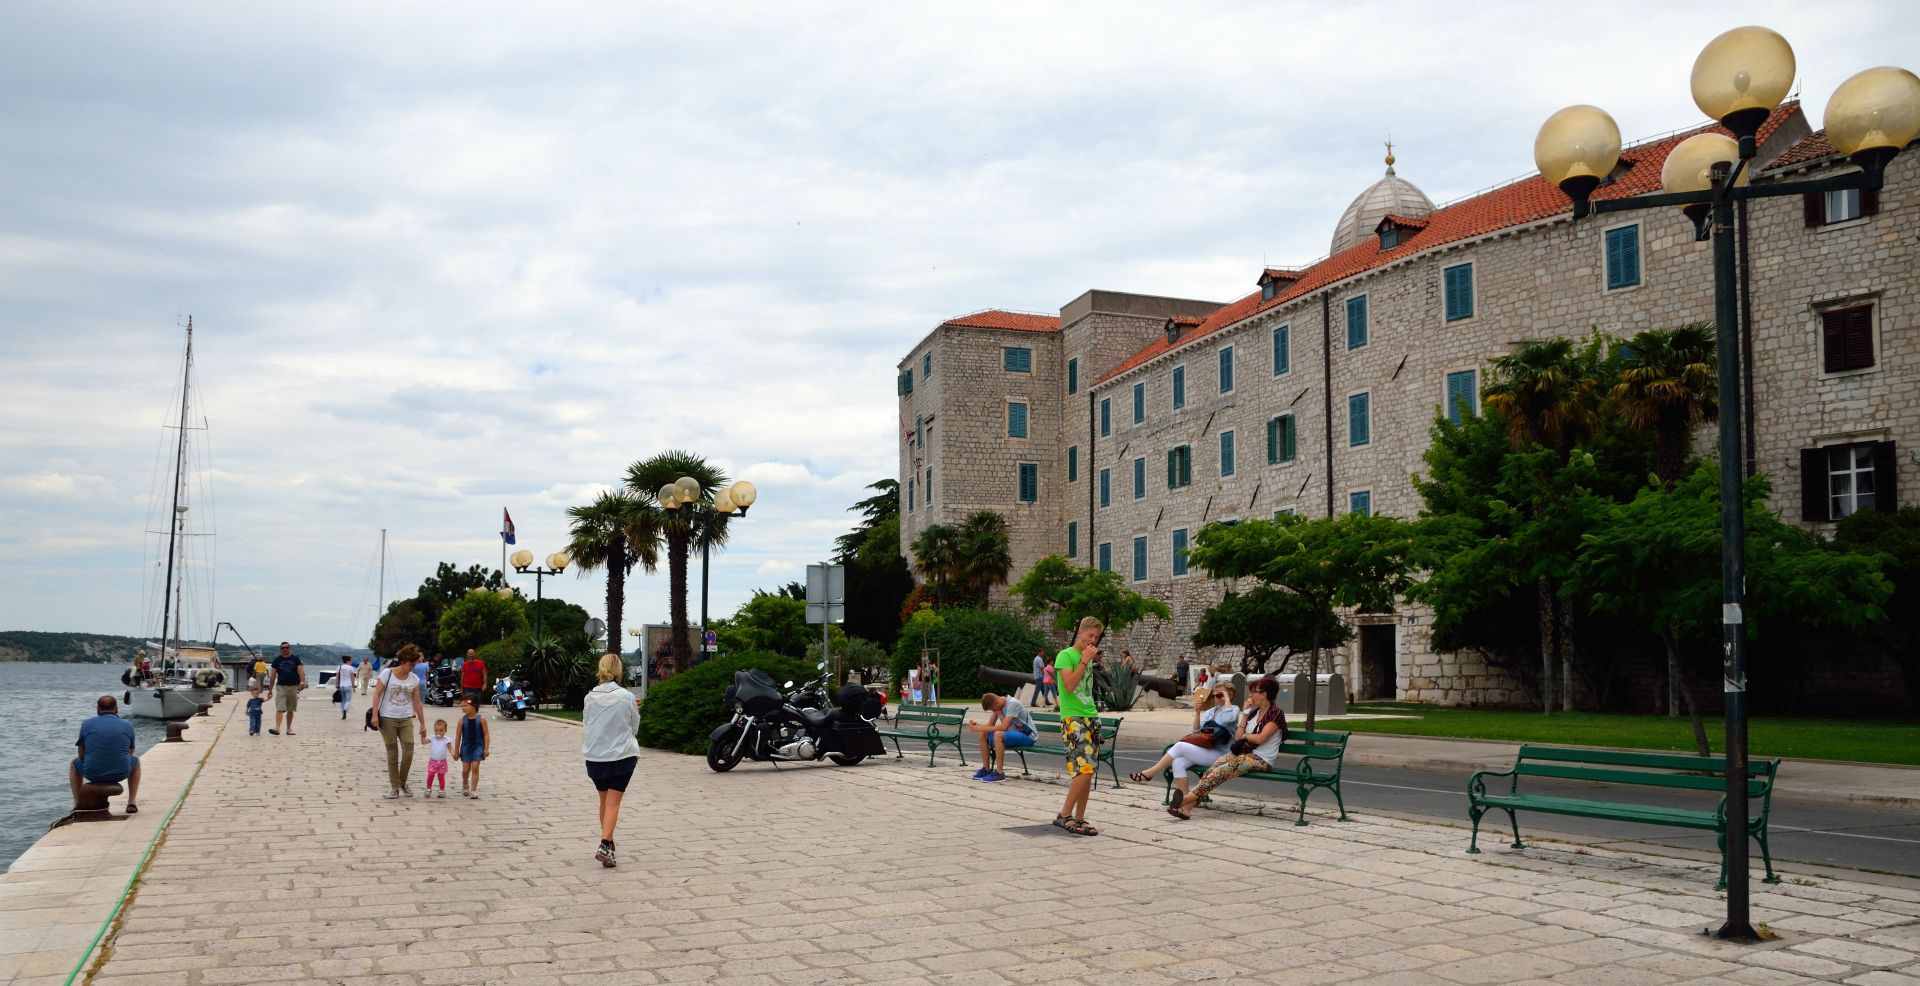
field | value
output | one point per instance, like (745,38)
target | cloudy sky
(445,259)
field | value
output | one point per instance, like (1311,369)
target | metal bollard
(176,732)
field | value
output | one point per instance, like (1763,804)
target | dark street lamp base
(1737,932)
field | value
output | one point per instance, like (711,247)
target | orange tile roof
(1406,222)
(1525,201)
(1280,274)
(1812,147)
(999,318)
(1186,321)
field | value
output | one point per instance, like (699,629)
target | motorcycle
(443,686)
(767,725)
(511,697)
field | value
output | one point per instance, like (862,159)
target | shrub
(683,710)
(965,640)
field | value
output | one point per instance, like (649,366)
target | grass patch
(573,714)
(1857,740)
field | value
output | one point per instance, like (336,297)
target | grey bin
(1330,698)
(1293,693)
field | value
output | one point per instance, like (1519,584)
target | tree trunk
(1313,678)
(678,543)
(1545,591)
(1693,705)
(616,594)
(1673,683)
(1566,656)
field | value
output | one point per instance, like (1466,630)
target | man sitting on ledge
(106,753)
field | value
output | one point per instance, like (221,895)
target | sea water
(42,706)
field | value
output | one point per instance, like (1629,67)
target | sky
(448,259)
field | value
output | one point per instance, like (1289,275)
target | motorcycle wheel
(722,755)
(520,715)
(846,759)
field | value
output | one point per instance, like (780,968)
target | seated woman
(1213,708)
(1254,747)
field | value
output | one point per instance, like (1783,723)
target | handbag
(1241,747)
(1201,738)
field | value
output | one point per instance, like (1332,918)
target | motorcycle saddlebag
(853,735)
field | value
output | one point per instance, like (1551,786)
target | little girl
(437,749)
(475,742)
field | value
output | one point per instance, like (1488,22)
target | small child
(474,741)
(437,749)
(254,707)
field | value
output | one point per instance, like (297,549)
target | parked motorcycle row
(769,725)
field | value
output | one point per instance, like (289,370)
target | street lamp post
(684,494)
(523,563)
(1738,79)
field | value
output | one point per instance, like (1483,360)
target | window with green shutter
(910,496)
(1463,395)
(1179,467)
(919,431)
(1029,482)
(903,384)
(926,366)
(1359,420)
(1140,478)
(1356,322)
(1179,387)
(1282,349)
(1106,416)
(1017,359)
(1226,453)
(1016,419)
(1140,559)
(1280,439)
(1106,487)
(1073,375)
(1106,557)
(929,486)
(1073,539)
(1180,551)
(1459,290)
(1139,402)
(1226,369)
(1073,463)
(1360,502)
(1623,257)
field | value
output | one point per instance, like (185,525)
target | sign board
(826,593)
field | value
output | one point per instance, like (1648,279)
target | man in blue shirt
(288,678)
(106,753)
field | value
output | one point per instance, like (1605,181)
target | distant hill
(106,648)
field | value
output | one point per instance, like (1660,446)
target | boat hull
(163,703)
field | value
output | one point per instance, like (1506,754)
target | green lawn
(1860,740)
(573,714)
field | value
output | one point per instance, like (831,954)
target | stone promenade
(892,872)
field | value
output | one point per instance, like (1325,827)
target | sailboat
(175,679)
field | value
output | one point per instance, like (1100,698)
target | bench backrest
(930,713)
(1049,723)
(1319,744)
(1670,770)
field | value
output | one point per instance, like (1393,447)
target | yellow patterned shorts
(1081,737)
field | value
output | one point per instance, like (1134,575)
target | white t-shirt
(396,698)
(343,678)
(438,747)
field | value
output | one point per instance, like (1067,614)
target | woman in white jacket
(612,719)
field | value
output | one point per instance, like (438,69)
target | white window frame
(1183,393)
(1854,470)
(1826,206)
(1284,463)
(1286,327)
(1368,491)
(1640,242)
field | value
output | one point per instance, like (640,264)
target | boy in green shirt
(1079,723)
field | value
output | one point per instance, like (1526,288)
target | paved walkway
(896,873)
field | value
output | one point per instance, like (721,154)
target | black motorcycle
(443,686)
(767,725)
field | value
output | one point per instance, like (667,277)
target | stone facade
(1532,279)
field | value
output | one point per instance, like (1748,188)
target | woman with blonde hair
(1215,715)
(612,719)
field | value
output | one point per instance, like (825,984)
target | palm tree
(1550,394)
(936,555)
(1667,386)
(985,556)
(678,530)
(614,532)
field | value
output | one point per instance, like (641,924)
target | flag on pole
(506,526)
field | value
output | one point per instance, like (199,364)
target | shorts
(1015,739)
(1081,737)
(436,768)
(286,698)
(611,775)
(133,764)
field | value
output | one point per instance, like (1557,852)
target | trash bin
(1330,695)
(1292,697)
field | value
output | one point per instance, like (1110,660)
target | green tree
(875,510)
(878,578)
(965,640)
(936,556)
(555,616)
(852,655)
(1550,394)
(448,585)
(679,530)
(1054,585)
(985,556)
(403,623)
(479,617)
(1656,561)
(1894,535)
(615,532)
(1667,386)
(1357,560)
(773,622)
(1263,620)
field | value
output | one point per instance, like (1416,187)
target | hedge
(969,639)
(681,711)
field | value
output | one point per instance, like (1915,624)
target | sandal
(1060,821)
(1174,810)
(1079,826)
(1137,777)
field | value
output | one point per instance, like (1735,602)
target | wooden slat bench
(1671,771)
(1048,742)
(933,725)
(1307,760)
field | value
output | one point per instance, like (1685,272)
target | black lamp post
(1738,79)
(523,563)
(684,494)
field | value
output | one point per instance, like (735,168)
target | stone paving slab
(898,873)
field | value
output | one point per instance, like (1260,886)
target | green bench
(933,725)
(1318,758)
(1673,771)
(1048,723)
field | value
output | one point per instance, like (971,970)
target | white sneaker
(392,793)
(408,791)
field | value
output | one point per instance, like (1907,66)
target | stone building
(1112,433)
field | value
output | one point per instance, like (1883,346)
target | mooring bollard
(205,709)
(175,732)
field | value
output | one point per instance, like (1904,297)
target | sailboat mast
(381,611)
(179,473)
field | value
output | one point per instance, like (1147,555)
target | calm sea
(45,705)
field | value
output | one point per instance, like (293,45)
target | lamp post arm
(1865,180)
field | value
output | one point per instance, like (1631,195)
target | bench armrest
(1477,784)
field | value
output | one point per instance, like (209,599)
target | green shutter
(1282,350)
(1173,470)
(1073,539)
(1273,440)
(1073,375)
(1459,292)
(1356,322)
(1286,439)
(1623,257)
(1073,463)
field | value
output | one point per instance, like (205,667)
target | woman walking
(343,685)
(1214,717)
(612,718)
(1254,749)
(398,715)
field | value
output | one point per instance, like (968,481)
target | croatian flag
(506,526)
